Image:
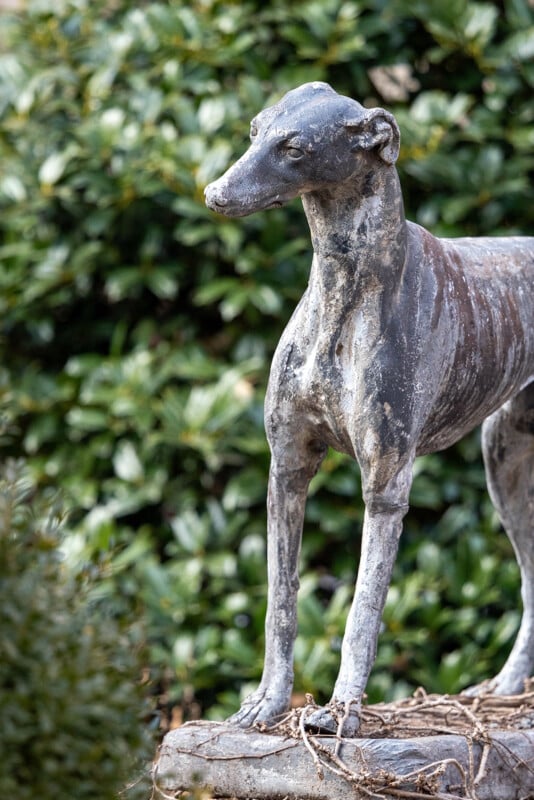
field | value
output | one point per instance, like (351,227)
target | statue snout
(215,196)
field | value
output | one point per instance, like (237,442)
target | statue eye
(253,130)
(294,153)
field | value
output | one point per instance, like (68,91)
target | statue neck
(358,232)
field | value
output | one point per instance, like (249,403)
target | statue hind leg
(508,449)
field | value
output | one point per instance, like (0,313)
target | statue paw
(506,683)
(260,707)
(338,718)
(478,689)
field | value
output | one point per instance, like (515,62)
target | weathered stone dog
(401,344)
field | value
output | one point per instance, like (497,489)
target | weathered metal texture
(234,763)
(401,344)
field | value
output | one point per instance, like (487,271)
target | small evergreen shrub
(70,700)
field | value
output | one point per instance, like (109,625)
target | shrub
(70,699)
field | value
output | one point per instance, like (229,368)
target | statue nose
(214,197)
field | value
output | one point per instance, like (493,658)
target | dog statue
(401,344)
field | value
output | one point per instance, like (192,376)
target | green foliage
(69,675)
(138,327)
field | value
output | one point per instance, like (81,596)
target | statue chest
(308,382)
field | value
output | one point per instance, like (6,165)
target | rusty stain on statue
(401,344)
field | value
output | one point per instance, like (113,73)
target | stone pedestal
(482,762)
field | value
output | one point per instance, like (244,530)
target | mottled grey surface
(401,344)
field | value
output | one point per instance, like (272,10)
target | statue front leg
(286,502)
(381,532)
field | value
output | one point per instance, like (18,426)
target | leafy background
(138,327)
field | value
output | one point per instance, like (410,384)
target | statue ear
(377,130)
